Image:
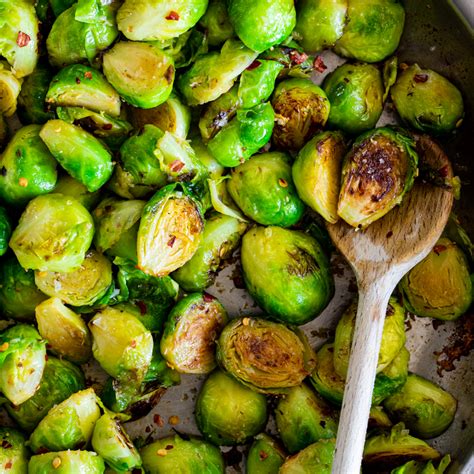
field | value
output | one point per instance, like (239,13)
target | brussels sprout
(302,418)
(320,23)
(245,135)
(257,82)
(439,286)
(28,168)
(376,173)
(317,458)
(266,356)
(248,17)
(60,380)
(66,462)
(170,230)
(426,409)
(416,467)
(82,155)
(142,73)
(287,273)
(263,188)
(5,231)
(83,86)
(379,419)
(175,454)
(121,344)
(213,74)
(265,456)
(301,110)
(372,31)
(171,116)
(316,173)
(427,101)
(190,333)
(110,441)
(13,451)
(65,331)
(387,450)
(22,361)
(68,186)
(32,107)
(217,23)
(355,92)
(116,223)
(143,20)
(220,238)
(242,413)
(19,39)
(75,38)
(10,87)
(78,413)
(60,243)
(393,337)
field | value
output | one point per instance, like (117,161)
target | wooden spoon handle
(373,301)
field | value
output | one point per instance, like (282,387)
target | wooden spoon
(380,256)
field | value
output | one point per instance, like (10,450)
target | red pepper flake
(133,344)
(8,465)
(297,58)
(22,39)
(318,64)
(158,420)
(437,249)
(262,455)
(176,166)
(107,126)
(207,297)
(23,182)
(420,78)
(283,183)
(141,306)
(172,15)
(443,172)
(254,65)
(88,75)
(4,346)
(171,241)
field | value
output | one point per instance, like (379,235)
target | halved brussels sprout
(13,451)
(190,333)
(265,456)
(81,32)
(302,418)
(142,20)
(78,414)
(439,286)
(32,107)
(388,450)
(301,109)
(110,441)
(171,116)
(393,337)
(19,39)
(287,273)
(257,82)
(66,462)
(5,231)
(377,172)
(249,131)
(417,467)
(142,73)
(213,74)
(426,409)
(427,101)
(18,293)
(10,87)
(217,23)
(319,23)
(263,188)
(116,223)
(242,413)
(60,243)
(121,344)
(266,356)
(82,286)
(372,30)
(65,331)
(278,19)
(82,155)
(28,168)
(60,380)
(355,92)
(221,236)
(170,230)
(317,173)
(175,454)
(83,86)
(22,362)
(317,458)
